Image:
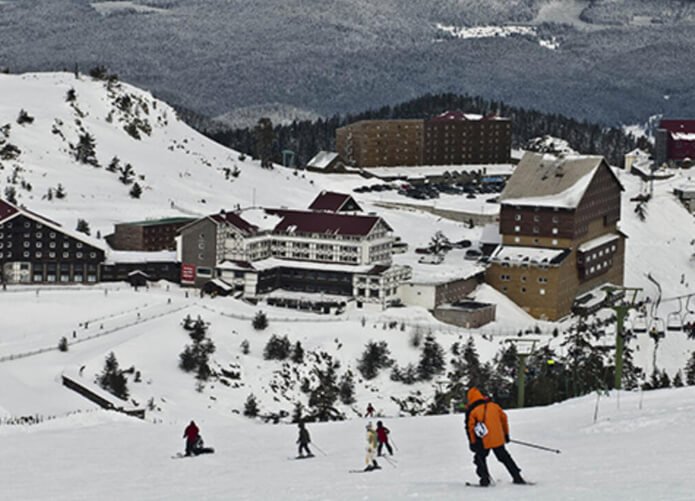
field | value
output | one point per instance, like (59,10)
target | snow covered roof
(683,136)
(297,221)
(271,263)
(528,255)
(322,159)
(331,201)
(448,116)
(544,180)
(221,284)
(598,242)
(235,220)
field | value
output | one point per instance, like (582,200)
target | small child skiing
(371,449)
(191,435)
(382,435)
(304,440)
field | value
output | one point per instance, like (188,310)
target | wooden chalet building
(560,237)
(36,250)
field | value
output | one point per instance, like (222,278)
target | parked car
(472,255)
(431,259)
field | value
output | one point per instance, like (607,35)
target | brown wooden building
(455,138)
(560,238)
(452,138)
(371,143)
(150,235)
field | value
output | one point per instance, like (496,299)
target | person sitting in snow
(371,449)
(382,436)
(191,434)
(487,427)
(304,440)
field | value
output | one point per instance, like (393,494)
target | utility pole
(524,348)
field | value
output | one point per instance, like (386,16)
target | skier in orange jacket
(488,428)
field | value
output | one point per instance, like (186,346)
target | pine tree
(431,360)
(251,406)
(112,379)
(277,348)
(322,398)
(374,358)
(298,353)
(260,321)
(127,174)
(135,191)
(346,388)
(83,227)
(678,379)
(264,142)
(85,150)
(114,165)
(690,370)
(584,360)
(63,344)
(11,194)
(298,412)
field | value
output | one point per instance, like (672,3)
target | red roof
(677,125)
(6,210)
(329,200)
(324,222)
(235,220)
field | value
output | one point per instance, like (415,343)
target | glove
(473,447)
(506,438)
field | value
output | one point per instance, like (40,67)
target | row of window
(38,245)
(506,278)
(537,218)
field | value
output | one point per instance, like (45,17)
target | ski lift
(639,325)
(657,330)
(674,320)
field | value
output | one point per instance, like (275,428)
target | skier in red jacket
(191,435)
(382,436)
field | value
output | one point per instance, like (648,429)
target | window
(517,217)
(541,292)
(554,241)
(542,280)
(536,219)
(523,278)
(517,240)
(554,231)
(523,290)
(536,229)
(204,272)
(517,229)
(555,219)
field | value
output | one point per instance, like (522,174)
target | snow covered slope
(180,171)
(639,450)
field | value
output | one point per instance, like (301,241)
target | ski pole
(393,443)
(527,444)
(389,461)
(318,448)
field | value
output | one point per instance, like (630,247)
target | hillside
(586,59)
(640,449)
(180,171)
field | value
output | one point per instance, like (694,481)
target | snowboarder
(304,440)
(191,434)
(370,410)
(487,427)
(382,435)
(371,449)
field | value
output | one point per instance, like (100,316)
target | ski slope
(639,451)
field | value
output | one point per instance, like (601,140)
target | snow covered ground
(641,450)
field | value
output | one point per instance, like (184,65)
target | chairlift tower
(524,348)
(621,308)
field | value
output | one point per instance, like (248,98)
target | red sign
(187,272)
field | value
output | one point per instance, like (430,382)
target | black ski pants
(304,447)
(381,446)
(480,461)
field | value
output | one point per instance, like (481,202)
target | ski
(363,471)
(301,457)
